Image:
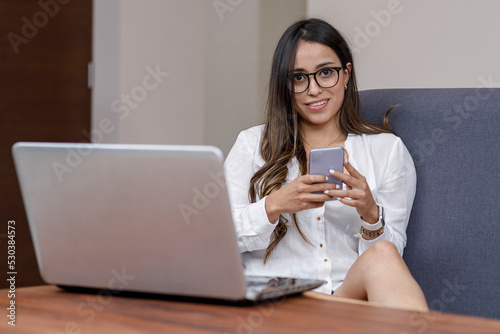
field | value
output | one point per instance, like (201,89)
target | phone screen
(321,160)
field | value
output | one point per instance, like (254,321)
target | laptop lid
(144,218)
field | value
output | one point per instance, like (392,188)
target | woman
(284,226)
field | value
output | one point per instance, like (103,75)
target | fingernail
(337,186)
(326,178)
(332,171)
(326,191)
(346,161)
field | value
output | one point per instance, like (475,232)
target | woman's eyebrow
(317,66)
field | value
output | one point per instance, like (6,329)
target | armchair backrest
(453,247)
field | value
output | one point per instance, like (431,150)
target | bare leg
(380,275)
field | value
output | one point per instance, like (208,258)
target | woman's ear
(347,73)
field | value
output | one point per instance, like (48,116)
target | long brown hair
(281,139)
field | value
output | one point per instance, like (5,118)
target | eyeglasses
(327,77)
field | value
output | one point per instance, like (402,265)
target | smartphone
(321,160)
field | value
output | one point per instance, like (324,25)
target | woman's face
(317,105)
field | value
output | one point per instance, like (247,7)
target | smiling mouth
(317,104)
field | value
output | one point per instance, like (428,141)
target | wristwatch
(378,225)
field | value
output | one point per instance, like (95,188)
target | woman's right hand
(298,195)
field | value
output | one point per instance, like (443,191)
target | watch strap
(378,225)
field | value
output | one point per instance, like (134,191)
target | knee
(382,259)
(383,251)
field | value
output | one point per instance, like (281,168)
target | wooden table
(48,309)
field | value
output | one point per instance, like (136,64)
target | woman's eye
(326,72)
(299,77)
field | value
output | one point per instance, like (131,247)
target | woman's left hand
(357,193)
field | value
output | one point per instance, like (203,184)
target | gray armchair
(453,245)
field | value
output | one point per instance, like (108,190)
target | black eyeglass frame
(307,75)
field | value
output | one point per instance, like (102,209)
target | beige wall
(424,43)
(149,61)
(217,55)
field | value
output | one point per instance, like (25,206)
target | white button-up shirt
(333,229)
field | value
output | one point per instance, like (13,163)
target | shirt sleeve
(395,194)
(252,226)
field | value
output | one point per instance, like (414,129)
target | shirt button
(326,260)
(326,283)
(320,245)
(319,218)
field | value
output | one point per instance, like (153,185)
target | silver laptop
(139,218)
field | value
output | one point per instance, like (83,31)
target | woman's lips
(316,106)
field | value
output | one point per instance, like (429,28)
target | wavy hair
(281,139)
